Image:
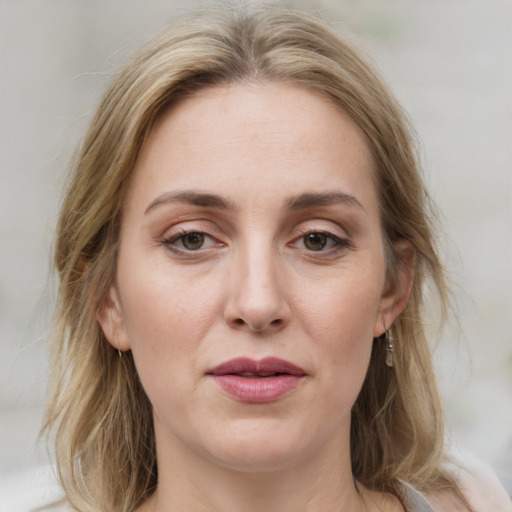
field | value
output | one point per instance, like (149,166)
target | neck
(190,481)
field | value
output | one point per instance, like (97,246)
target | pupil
(193,241)
(315,241)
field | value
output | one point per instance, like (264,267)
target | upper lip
(265,367)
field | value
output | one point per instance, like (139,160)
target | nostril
(240,322)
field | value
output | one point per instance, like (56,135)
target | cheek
(340,317)
(344,306)
(165,320)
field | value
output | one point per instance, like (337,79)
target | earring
(389,349)
(118,349)
(115,334)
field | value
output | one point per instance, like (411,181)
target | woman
(243,251)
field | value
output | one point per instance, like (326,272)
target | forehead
(274,137)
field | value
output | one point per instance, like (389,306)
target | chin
(259,447)
(256,459)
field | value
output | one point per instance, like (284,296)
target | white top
(477,482)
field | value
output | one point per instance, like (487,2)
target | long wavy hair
(105,445)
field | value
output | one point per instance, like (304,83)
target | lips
(260,381)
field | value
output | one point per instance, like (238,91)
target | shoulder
(479,486)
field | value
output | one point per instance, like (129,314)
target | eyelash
(339,243)
(180,235)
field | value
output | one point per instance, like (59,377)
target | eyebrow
(300,202)
(193,198)
(311,200)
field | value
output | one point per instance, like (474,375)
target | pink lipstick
(260,381)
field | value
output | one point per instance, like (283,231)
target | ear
(110,317)
(396,292)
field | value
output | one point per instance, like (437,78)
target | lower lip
(257,390)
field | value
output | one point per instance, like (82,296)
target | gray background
(449,62)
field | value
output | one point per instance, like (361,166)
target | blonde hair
(105,444)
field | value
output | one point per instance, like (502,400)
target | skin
(256,287)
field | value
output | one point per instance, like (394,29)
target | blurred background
(450,64)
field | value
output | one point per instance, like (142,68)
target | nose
(257,301)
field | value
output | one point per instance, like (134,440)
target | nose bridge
(260,276)
(257,301)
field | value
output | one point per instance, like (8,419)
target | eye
(320,241)
(192,241)
(185,241)
(315,241)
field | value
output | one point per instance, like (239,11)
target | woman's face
(251,275)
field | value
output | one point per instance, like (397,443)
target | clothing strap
(413,500)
